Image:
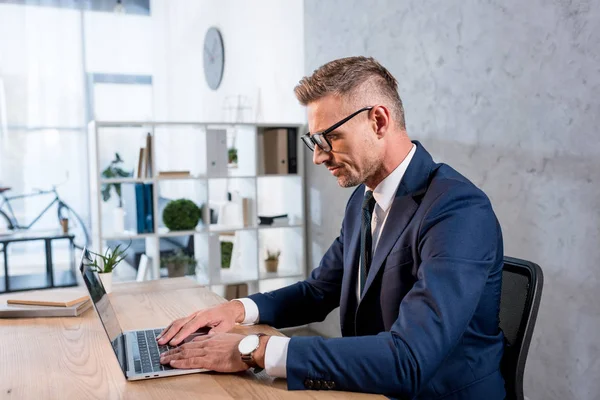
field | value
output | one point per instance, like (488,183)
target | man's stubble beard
(347,181)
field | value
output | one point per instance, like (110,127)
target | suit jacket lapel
(348,301)
(413,184)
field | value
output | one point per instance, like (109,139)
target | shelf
(230,228)
(277,175)
(181,177)
(233,280)
(126,235)
(126,180)
(262,227)
(280,274)
(166,233)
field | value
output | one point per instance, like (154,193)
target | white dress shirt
(384,193)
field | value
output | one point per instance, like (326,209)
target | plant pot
(177,270)
(119,220)
(106,279)
(271,265)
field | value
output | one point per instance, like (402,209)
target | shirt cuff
(251,311)
(276,356)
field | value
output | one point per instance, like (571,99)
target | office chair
(522,283)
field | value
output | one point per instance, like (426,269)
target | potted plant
(108,261)
(179,264)
(272,260)
(114,171)
(232,157)
(181,215)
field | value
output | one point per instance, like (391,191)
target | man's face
(354,155)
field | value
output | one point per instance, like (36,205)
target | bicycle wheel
(5,223)
(76,225)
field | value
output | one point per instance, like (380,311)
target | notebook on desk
(137,352)
(36,311)
(53,298)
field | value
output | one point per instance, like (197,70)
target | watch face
(248,344)
(214,58)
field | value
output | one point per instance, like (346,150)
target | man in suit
(416,269)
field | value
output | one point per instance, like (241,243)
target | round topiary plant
(181,215)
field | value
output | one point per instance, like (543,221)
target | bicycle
(9,221)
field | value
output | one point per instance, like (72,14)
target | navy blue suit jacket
(427,325)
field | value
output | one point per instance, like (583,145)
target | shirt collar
(386,190)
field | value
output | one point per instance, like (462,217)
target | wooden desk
(71,358)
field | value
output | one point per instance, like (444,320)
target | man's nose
(319,156)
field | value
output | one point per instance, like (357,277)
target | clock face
(214,58)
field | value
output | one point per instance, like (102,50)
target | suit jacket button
(330,385)
(317,385)
(308,383)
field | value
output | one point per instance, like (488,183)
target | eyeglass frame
(308,138)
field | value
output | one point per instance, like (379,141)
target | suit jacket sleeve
(458,244)
(308,301)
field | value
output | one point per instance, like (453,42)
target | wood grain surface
(71,358)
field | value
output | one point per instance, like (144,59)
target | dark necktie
(366,239)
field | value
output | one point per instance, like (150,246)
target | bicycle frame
(11,214)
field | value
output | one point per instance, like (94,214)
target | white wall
(264,59)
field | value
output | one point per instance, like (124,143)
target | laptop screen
(105,311)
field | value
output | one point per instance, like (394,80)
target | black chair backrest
(522,283)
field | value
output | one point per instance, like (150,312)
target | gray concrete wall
(508,93)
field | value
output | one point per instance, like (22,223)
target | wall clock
(214,58)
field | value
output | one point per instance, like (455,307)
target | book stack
(144,205)
(46,303)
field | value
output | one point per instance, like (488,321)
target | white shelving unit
(201,149)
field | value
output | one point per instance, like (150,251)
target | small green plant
(110,259)
(226,252)
(111,172)
(178,263)
(181,215)
(232,155)
(272,255)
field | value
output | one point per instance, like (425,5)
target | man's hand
(220,319)
(215,351)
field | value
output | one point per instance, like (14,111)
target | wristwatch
(247,347)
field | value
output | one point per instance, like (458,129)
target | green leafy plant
(232,155)
(272,255)
(181,215)
(226,252)
(111,172)
(177,262)
(110,259)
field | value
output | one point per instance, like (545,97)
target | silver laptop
(137,352)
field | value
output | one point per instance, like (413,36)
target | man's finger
(164,331)
(188,363)
(201,338)
(172,329)
(191,326)
(221,328)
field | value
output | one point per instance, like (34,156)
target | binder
(275,144)
(140,207)
(292,151)
(148,208)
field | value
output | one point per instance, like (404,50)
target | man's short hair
(346,77)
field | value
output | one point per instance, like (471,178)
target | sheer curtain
(42,108)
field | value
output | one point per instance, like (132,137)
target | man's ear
(381,120)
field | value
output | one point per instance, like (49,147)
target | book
(149,161)
(38,311)
(149,207)
(54,298)
(173,174)
(140,167)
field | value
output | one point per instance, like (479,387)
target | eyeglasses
(319,138)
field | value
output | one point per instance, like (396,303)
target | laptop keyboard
(149,352)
